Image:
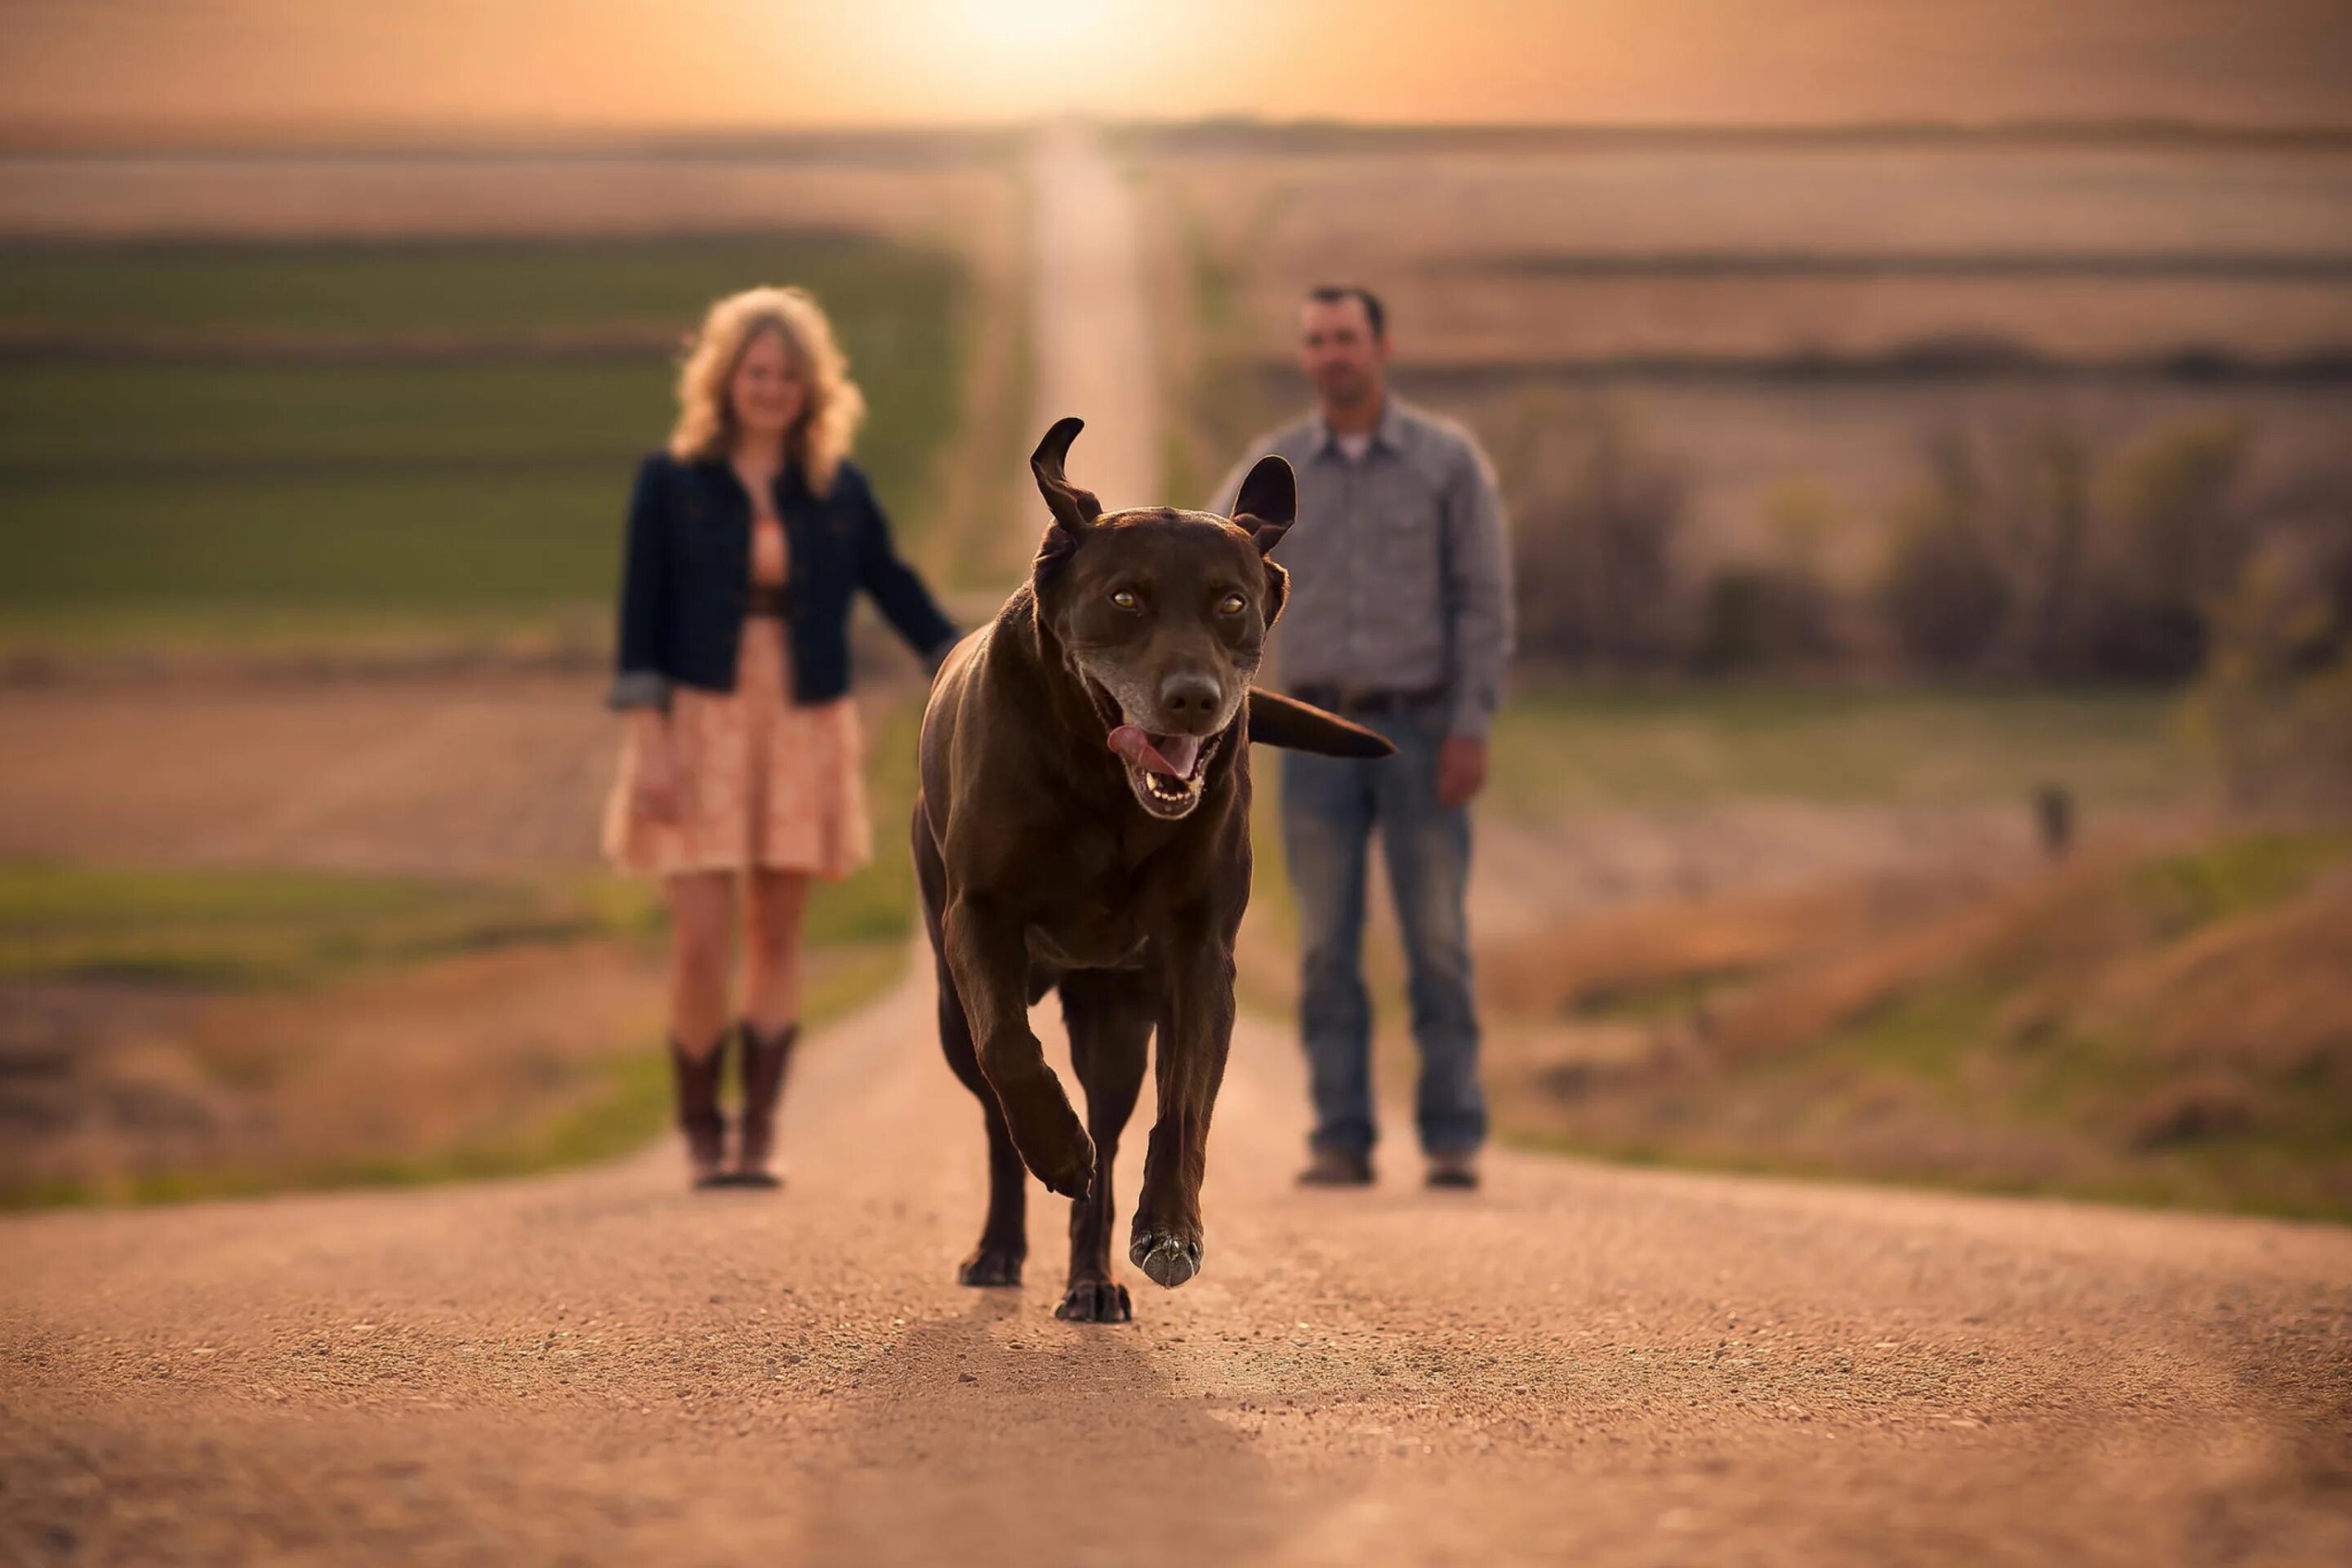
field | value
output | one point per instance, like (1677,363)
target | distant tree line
(2025,552)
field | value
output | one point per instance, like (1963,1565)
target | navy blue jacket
(688,577)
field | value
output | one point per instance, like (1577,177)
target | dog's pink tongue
(1130,741)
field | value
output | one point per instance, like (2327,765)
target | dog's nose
(1188,697)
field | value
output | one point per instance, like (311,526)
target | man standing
(1399,618)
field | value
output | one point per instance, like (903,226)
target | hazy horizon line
(395,135)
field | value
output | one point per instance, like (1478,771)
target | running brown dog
(1083,826)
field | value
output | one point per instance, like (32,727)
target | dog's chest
(1101,944)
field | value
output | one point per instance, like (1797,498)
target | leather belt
(766,599)
(1354,704)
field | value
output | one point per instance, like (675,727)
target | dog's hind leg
(1108,1013)
(1005,1236)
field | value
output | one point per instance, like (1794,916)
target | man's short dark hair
(1332,293)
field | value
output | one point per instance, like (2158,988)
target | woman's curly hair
(706,420)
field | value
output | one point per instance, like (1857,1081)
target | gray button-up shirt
(1400,576)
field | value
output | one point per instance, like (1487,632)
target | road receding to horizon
(1581,1363)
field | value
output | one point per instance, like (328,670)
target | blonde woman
(742,774)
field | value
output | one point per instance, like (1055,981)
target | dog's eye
(1126,600)
(1231,605)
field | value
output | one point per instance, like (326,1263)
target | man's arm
(1477,596)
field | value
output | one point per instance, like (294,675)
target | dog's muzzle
(1166,771)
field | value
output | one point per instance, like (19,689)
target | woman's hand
(657,793)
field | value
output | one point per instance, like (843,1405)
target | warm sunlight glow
(679,64)
(1030,24)
(1046,56)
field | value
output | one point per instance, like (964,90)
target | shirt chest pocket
(1406,520)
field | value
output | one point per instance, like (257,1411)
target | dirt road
(1617,1366)
(1580,1365)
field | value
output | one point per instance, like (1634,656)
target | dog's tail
(1278,720)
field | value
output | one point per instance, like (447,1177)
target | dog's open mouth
(1165,771)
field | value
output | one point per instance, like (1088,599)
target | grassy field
(337,436)
(1562,749)
(1565,755)
(167,290)
(1833,950)
(2166,1027)
(250,929)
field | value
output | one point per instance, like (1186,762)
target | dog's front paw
(1096,1301)
(1167,1257)
(1059,1153)
(1072,1177)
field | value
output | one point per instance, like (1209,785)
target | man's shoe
(1337,1168)
(1457,1171)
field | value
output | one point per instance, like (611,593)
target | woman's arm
(639,688)
(638,679)
(905,601)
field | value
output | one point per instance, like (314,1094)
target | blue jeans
(1329,808)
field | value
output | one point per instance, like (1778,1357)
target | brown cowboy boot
(764,1063)
(697,1110)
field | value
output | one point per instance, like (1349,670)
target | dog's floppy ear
(1268,503)
(1278,590)
(1074,509)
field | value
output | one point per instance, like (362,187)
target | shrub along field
(330,437)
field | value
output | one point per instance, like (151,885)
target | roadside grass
(615,1104)
(317,940)
(2169,1028)
(2232,877)
(2159,1021)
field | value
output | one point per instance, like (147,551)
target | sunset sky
(262,66)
